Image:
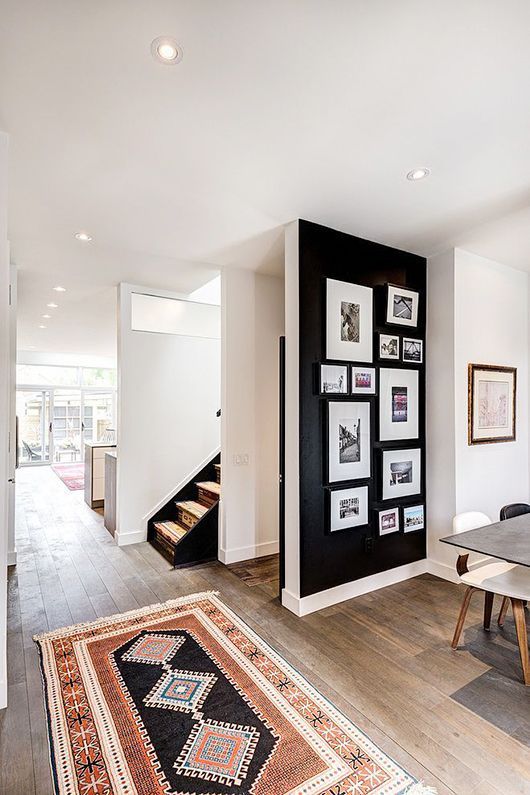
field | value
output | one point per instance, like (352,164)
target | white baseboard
(3,694)
(247,553)
(133,537)
(12,557)
(442,570)
(332,596)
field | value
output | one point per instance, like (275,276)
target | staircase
(185,530)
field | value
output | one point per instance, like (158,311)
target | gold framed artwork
(491,403)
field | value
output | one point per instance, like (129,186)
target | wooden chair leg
(522,637)
(502,612)
(488,607)
(462,616)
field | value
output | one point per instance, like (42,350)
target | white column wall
(168,396)
(252,322)
(478,313)
(4,412)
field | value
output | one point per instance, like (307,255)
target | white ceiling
(278,110)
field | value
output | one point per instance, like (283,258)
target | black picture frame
(356,484)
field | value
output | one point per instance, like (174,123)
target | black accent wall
(331,559)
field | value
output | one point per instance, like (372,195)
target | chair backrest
(514,509)
(469,520)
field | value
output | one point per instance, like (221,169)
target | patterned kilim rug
(184,697)
(72,475)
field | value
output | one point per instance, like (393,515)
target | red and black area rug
(183,698)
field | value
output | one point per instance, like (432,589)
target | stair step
(217,472)
(189,512)
(208,493)
(171,531)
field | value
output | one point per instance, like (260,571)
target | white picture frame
(388,521)
(349,447)
(389,347)
(413,518)
(363,380)
(349,321)
(398,404)
(348,508)
(402,306)
(401,473)
(412,350)
(333,379)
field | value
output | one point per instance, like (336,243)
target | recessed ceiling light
(42,326)
(59,289)
(46,317)
(418,173)
(166,50)
(52,305)
(83,236)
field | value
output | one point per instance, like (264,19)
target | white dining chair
(493,577)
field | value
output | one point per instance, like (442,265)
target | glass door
(33,412)
(98,413)
(66,426)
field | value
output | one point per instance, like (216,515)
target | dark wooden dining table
(508,540)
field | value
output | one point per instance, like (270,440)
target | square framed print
(402,306)
(347,508)
(413,518)
(349,447)
(398,404)
(389,347)
(333,379)
(412,350)
(388,521)
(363,380)
(401,473)
(349,321)
(492,393)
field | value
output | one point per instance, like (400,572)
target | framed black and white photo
(388,521)
(363,380)
(349,321)
(412,350)
(389,347)
(413,518)
(349,447)
(491,403)
(347,508)
(333,379)
(402,306)
(398,404)
(401,473)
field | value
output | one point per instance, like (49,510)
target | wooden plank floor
(458,720)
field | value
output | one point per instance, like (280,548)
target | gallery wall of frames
(362,407)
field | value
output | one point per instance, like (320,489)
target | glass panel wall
(33,412)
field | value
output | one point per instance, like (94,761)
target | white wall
(4,412)
(489,304)
(252,322)
(168,396)
(65,359)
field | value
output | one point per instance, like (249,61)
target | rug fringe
(419,788)
(139,611)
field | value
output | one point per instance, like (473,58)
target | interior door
(33,412)
(281,464)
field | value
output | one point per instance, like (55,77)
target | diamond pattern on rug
(154,649)
(218,751)
(184,691)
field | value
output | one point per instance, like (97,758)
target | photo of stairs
(188,536)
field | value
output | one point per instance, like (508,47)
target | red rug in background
(72,475)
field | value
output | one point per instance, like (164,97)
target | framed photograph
(347,508)
(401,473)
(389,347)
(363,380)
(402,306)
(349,446)
(398,404)
(412,350)
(388,521)
(333,379)
(349,321)
(413,518)
(491,403)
